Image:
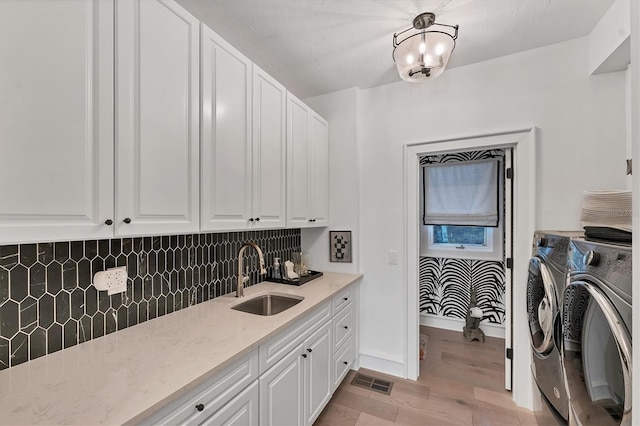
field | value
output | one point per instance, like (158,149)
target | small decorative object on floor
(471,330)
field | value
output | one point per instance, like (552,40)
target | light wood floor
(460,384)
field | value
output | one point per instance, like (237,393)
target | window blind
(464,193)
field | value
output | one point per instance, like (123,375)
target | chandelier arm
(395,36)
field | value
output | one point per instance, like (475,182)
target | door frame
(523,142)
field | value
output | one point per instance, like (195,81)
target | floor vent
(371,383)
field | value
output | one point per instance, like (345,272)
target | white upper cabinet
(56,120)
(269,151)
(157,118)
(307,166)
(243,141)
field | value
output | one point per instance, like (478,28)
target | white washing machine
(546,281)
(596,329)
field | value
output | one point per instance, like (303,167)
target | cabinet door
(281,391)
(269,151)
(297,163)
(56,120)
(318,383)
(226,135)
(240,411)
(319,168)
(157,137)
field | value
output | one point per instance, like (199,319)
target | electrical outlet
(112,280)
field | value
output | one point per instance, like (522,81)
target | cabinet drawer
(210,396)
(342,299)
(276,348)
(342,363)
(241,410)
(342,326)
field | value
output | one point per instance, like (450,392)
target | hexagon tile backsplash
(47,301)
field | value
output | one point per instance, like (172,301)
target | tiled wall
(47,302)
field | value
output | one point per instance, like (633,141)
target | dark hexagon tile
(121,260)
(137,245)
(90,300)
(156,243)
(70,333)
(182,281)
(116,300)
(127,245)
(77,303)
(4,285)
(161,263)
(103,248)
(137,289)
(162,305)
(147,244)
(4,353)
(132,315)
(132,264)
(84,274)
(19,349)
(54,278)
(37,343)
(173,243)
(18,283)
(90,249)
(46,305)
(165,241)
(143,313)
(63,313)
(28,314)
(28,254)
(69,275)
(152,261)
(157,285)
(8,256)
(77,250)
(173,300)
(111,324)
(98,325)
(9,319)
(116,247)
(170,265)
(109,262)
(122,317)
(104,302)
(181,241)
(54,338)
(45,253)
(62,251)
(97,265)
(152,310)
(37,280)
(84,329)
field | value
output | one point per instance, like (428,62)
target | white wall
(340,110)
(581,122)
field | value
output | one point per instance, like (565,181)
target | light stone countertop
(125,376)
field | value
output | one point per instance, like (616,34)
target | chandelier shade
(423,53)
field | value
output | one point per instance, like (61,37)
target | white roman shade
(464,193)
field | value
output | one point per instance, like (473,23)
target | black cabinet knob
(108,222)
(257,219)
(345,362)
(345,298)
(250,219)
(200,407)
(304,355)
(127,220)
(309,350)
(346,328)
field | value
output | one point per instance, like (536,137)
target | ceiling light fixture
(424,54)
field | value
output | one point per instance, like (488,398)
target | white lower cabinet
(288,380)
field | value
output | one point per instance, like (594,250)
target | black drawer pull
(257,219)
(304,355)
(345,327)
(345,298)
(200,407)
(345,362)
(127,220)
(309,350)
(108,222)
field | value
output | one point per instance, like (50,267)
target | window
(463,242)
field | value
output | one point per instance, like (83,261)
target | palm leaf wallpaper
(445,284)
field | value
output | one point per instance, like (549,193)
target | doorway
(523,145)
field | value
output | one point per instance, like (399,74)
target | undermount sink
(268,304)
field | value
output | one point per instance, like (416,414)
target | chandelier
(424,52)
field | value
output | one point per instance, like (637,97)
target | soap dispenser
(276,269)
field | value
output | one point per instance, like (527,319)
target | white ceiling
(321,46)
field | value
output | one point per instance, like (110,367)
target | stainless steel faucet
(242,278)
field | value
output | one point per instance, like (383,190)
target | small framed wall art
(340,246)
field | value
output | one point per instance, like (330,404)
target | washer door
(541,306)
(597,357)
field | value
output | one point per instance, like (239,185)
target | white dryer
(596,326)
